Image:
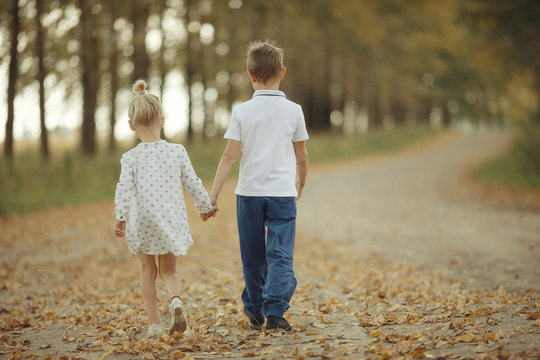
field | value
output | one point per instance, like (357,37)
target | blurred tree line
(352,64)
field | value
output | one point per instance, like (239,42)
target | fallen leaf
(376,333)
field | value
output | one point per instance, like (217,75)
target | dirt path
(396,257)
(418,208)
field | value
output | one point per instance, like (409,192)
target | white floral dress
(149,197)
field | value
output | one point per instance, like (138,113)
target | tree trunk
(139,15)
(89,77)
(189,70)
(13,72)
(162,64)
(41,80)
(326,105)
(374,111)
(189,83)
(113,71)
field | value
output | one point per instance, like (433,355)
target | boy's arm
(224,168)
(302,164)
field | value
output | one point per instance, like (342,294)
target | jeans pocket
(283,200)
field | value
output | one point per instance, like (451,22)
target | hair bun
(139,87)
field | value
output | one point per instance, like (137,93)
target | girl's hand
(210,214)
(119,228)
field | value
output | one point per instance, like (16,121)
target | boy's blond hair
(264,60)
(144,108)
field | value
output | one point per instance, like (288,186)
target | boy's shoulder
(254,103)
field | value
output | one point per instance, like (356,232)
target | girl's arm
(302,164)
(194,185)
(124,191)
(224,168)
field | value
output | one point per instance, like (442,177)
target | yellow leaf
(376,333)
(167,338)
(178,355)
(331,301)
(534,316)
(469,337)
(536,323)
(107,327)
(371,349)
(417,353)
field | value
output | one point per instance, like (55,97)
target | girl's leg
(148,286)
(167,272)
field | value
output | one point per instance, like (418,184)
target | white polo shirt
(267,125)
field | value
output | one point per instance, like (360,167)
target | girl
(150,208)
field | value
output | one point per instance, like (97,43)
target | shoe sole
(279,328)
(254,321)
(154,336)
(179,320)
(256,324)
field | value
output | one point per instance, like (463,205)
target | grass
(512,168)
(71,177)
(520,166)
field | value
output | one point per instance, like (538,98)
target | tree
(192,44)
(13,72)
(41,80)
(89,76)
(111,51)
(139,15)
(511,29)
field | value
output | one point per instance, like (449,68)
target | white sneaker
(155,331)
(177,315)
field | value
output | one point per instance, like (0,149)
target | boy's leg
(250,216)
(280,281)
(148,286)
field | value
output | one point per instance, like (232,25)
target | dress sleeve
(124,191)
(193,184)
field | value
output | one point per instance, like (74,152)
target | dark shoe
(257,321)
(274,322)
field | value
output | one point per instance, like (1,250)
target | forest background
(366,72)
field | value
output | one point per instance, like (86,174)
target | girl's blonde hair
(144,108)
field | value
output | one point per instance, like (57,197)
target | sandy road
(416,207)
(361,225)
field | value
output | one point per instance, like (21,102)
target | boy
(271,132)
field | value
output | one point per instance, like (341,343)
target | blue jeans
(266,227)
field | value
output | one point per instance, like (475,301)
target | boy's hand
(211,213)
(119,228)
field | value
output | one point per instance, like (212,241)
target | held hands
(211,213)
(119,228)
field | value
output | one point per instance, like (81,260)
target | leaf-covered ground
(69,290)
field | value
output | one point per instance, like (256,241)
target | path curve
(416,207)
